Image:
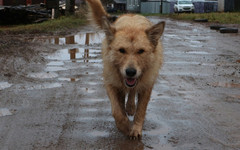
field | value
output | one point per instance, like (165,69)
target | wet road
(195,103)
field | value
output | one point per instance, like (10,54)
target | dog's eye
(141,51)
(121,50)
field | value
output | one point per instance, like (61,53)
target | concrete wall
(221,5)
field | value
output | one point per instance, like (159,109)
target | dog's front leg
(117,98)
(130,106)
(143,99)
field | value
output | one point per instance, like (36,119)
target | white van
(184,6)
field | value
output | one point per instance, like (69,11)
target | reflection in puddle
(198,52)
(75,54)
(98,133)
(189,63)
(55,63)
(87,119)
(68,79)
(81,38)
(88,90)
(40,86)
(235,96)
(55,68)
(43,75)
(4,85)
(4,112)
(227,85)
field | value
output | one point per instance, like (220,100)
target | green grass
(66,23)
(61,24)
(224,18)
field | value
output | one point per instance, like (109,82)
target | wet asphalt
(195,103)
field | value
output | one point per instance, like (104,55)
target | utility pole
(161,6)
(54,6)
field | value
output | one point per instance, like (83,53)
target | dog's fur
(132,57)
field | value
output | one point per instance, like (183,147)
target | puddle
(80,38)
(40,86)
(197,52)
(5,112)
(98,134)
(226,85)
(55,63)
(43,75)
(4,85)
(94,100)
(68,79)
(189,63)
(235,96)
(55,68)
(74,55)
(88,90)
(89,119)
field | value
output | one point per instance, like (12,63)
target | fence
(150,7)
(168,7)
(205,7)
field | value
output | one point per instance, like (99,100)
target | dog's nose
(131,72)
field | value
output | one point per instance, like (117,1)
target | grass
(224,18)
(61,24)
(66,23)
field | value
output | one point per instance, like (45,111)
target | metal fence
(150,7)
(168,7)
(232,5)
(205,7)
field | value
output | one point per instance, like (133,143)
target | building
(120,5)
(228,5)
(220,5)
(133,5)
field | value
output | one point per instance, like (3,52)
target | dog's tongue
(130,81)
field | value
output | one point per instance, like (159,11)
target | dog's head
(132,50)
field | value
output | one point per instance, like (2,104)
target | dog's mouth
(130,82)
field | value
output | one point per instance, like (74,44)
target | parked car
(184,6)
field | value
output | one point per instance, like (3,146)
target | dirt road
(52,94)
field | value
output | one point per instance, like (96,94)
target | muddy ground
(52,94)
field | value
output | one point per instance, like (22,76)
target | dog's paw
(135,135)
(123,126)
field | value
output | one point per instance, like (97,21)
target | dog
(132,56)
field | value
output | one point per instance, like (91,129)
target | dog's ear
(108,29)
(155,32)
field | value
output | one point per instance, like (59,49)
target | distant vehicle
(184,6)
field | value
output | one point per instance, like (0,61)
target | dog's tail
(97,12)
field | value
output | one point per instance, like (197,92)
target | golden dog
(132,57)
